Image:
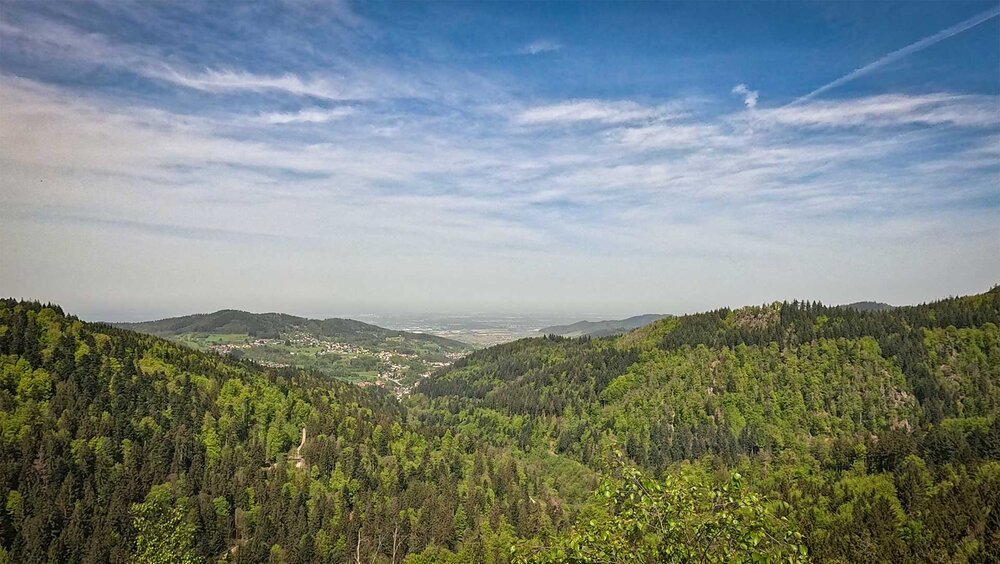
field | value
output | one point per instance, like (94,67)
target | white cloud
(313,115)
(350,80)
(576,111)
(215,80)
(540,46)
(749,96)
(672,136)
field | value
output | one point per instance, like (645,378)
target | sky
(323,157)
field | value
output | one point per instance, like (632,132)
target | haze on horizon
(324,157)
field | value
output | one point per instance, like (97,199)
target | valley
(568,282)
(478,329)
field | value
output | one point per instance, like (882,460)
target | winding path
(300,462)
(297,458)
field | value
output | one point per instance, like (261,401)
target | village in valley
(395,364)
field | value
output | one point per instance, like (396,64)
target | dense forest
(790,431)
(874,432)
(119,446)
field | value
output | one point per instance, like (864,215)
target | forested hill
(279,326)
(878,428)
(117,446)
(781,432)
(601,328)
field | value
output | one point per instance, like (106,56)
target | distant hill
(869,306)
(281,325)
(602,328)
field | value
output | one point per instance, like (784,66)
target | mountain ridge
(270,325)
(602,328)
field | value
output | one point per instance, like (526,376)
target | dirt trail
(297,457)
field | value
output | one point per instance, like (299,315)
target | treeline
(900,333)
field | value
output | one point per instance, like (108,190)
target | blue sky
(327,157)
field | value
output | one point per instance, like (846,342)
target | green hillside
(878,429)
(782,432)
(124,447)
(279,325)
(342,348)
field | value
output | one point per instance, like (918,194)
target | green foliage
(163,535)
(683,518)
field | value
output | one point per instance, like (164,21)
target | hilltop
(869,306)
(279,325)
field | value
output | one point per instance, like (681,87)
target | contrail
(899,54)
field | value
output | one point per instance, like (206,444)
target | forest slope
(117,446)
(879,428)
(839,434)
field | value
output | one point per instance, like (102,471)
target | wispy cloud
(313,115)
(590,111)
(195,233)
(672,136)
(540,46)
(890,110)
(215,80)
(904,52)
(349,81)
(52,40)
(615,169)
(339,10)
